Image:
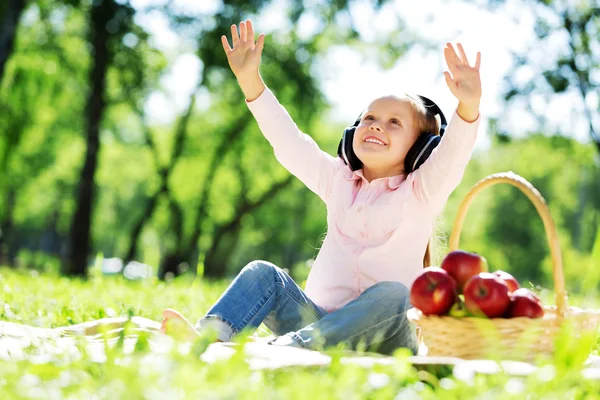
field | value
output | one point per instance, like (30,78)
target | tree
(10,12)
(109,22)
(196,184)
(571,71)
(39,115)
(560,66)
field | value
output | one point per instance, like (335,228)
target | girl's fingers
(463,55)
(250,31)
(234,35)
(452,54)
(478,61)
(225,43)
(260,43)
(451,60)
(449,81)
(448,56)
(243,32)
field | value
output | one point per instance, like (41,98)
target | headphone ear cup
(420,151)
(346,151)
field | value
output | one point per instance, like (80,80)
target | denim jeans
(264,293)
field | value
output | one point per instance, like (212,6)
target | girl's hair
(424,122)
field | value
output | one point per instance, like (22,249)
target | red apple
(510,280)
(462,265)
(486,295)
(524,303)
(433,292)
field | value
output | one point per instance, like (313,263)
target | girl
(381,205)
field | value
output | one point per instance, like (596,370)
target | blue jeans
(264,293)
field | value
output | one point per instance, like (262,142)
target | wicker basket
(507,338)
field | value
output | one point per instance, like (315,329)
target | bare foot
(176,325)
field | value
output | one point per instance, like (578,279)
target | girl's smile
(374,140)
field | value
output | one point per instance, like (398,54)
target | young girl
(380,213)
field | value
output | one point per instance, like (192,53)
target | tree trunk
(229,139)
(218,257)
(138,226)
(188,251)
(169,265)
(218,270)
(101,14)
(7,242)
(50,239)
(290,253)
(165,173)
(10,13)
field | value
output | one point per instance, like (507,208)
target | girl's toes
(170,313)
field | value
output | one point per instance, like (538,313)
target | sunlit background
(133,178)
(176,189)
(350,78)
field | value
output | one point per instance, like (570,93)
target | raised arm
(437,178)
(296,151)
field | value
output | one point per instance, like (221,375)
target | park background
(126,144)
(133,177)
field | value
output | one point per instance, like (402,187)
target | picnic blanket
(14,338)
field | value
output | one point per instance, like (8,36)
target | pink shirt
(377,231)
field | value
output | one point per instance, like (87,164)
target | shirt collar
(393,182)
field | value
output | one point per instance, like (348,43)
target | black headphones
(417,154)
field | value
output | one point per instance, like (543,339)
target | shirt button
(354,274)
(360,209)
(362,235)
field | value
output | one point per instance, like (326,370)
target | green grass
(51,301)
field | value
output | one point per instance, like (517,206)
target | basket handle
(540,204)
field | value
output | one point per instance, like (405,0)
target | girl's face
(385,134)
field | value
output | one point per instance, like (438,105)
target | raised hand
(244,57)
(465,82)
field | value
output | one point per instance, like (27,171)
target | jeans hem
(224,328)
(298,339)
(290,339)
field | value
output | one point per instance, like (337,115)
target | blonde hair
(425,122)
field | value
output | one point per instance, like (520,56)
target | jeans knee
(391,293)
(258,268)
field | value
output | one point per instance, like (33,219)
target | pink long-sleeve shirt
(376,231)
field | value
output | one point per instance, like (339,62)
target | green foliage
(46,87)
(43,93)
(567,42)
